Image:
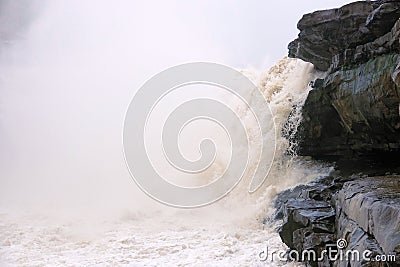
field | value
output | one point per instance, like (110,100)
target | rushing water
(65,194)
(228,232)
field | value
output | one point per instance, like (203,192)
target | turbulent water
(230,232)
(66,197)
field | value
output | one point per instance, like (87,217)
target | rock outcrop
(354,110)
(355,113)
(308,218)
(351,116)
(363,213)
(368,217)
(327,33)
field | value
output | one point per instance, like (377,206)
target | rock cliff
(352,116)
(327,33)
(362,213)
(354,110)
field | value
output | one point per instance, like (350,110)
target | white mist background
(67,81)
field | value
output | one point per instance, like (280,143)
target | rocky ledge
(343,215)
(328,33)
(354,110)
(351,117)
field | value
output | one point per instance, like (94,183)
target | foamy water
(229,232)
(66,198)
(166,241)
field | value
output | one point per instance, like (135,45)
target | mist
(68,70)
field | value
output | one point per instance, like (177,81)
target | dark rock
(385,44)
(352,116)
(308,224)
(308,217)
(356,113)
(325,34)
(383,17)
(363,211)
(373,204)
(318,83)
(284,196)
(358,240)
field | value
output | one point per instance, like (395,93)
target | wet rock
(327,33)
(365,212)
(368,213)
(356,240)
(354,110)
(318,83)
(352,116)
(308,223)
(283,197)
(356,113)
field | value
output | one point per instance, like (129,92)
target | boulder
(324,34)
(362,211)
(355,113)
(373,204)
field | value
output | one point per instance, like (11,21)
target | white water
(227,233)
(65,194)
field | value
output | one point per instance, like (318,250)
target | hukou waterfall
(67,197)
(229,232)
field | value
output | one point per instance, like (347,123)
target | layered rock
(354,111)
(368,218)
(363,213)
(352,116)
(326,33)
(308,219)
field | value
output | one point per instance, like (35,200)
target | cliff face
(327,33)
(363,213)
(354,111)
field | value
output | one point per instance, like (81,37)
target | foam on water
(228,232)
(66,197)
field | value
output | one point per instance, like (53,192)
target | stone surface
(373,204)
(355,113)
(308,225)
(364,211)
(308,216)
(357,240)
(326,33)
(351,116)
